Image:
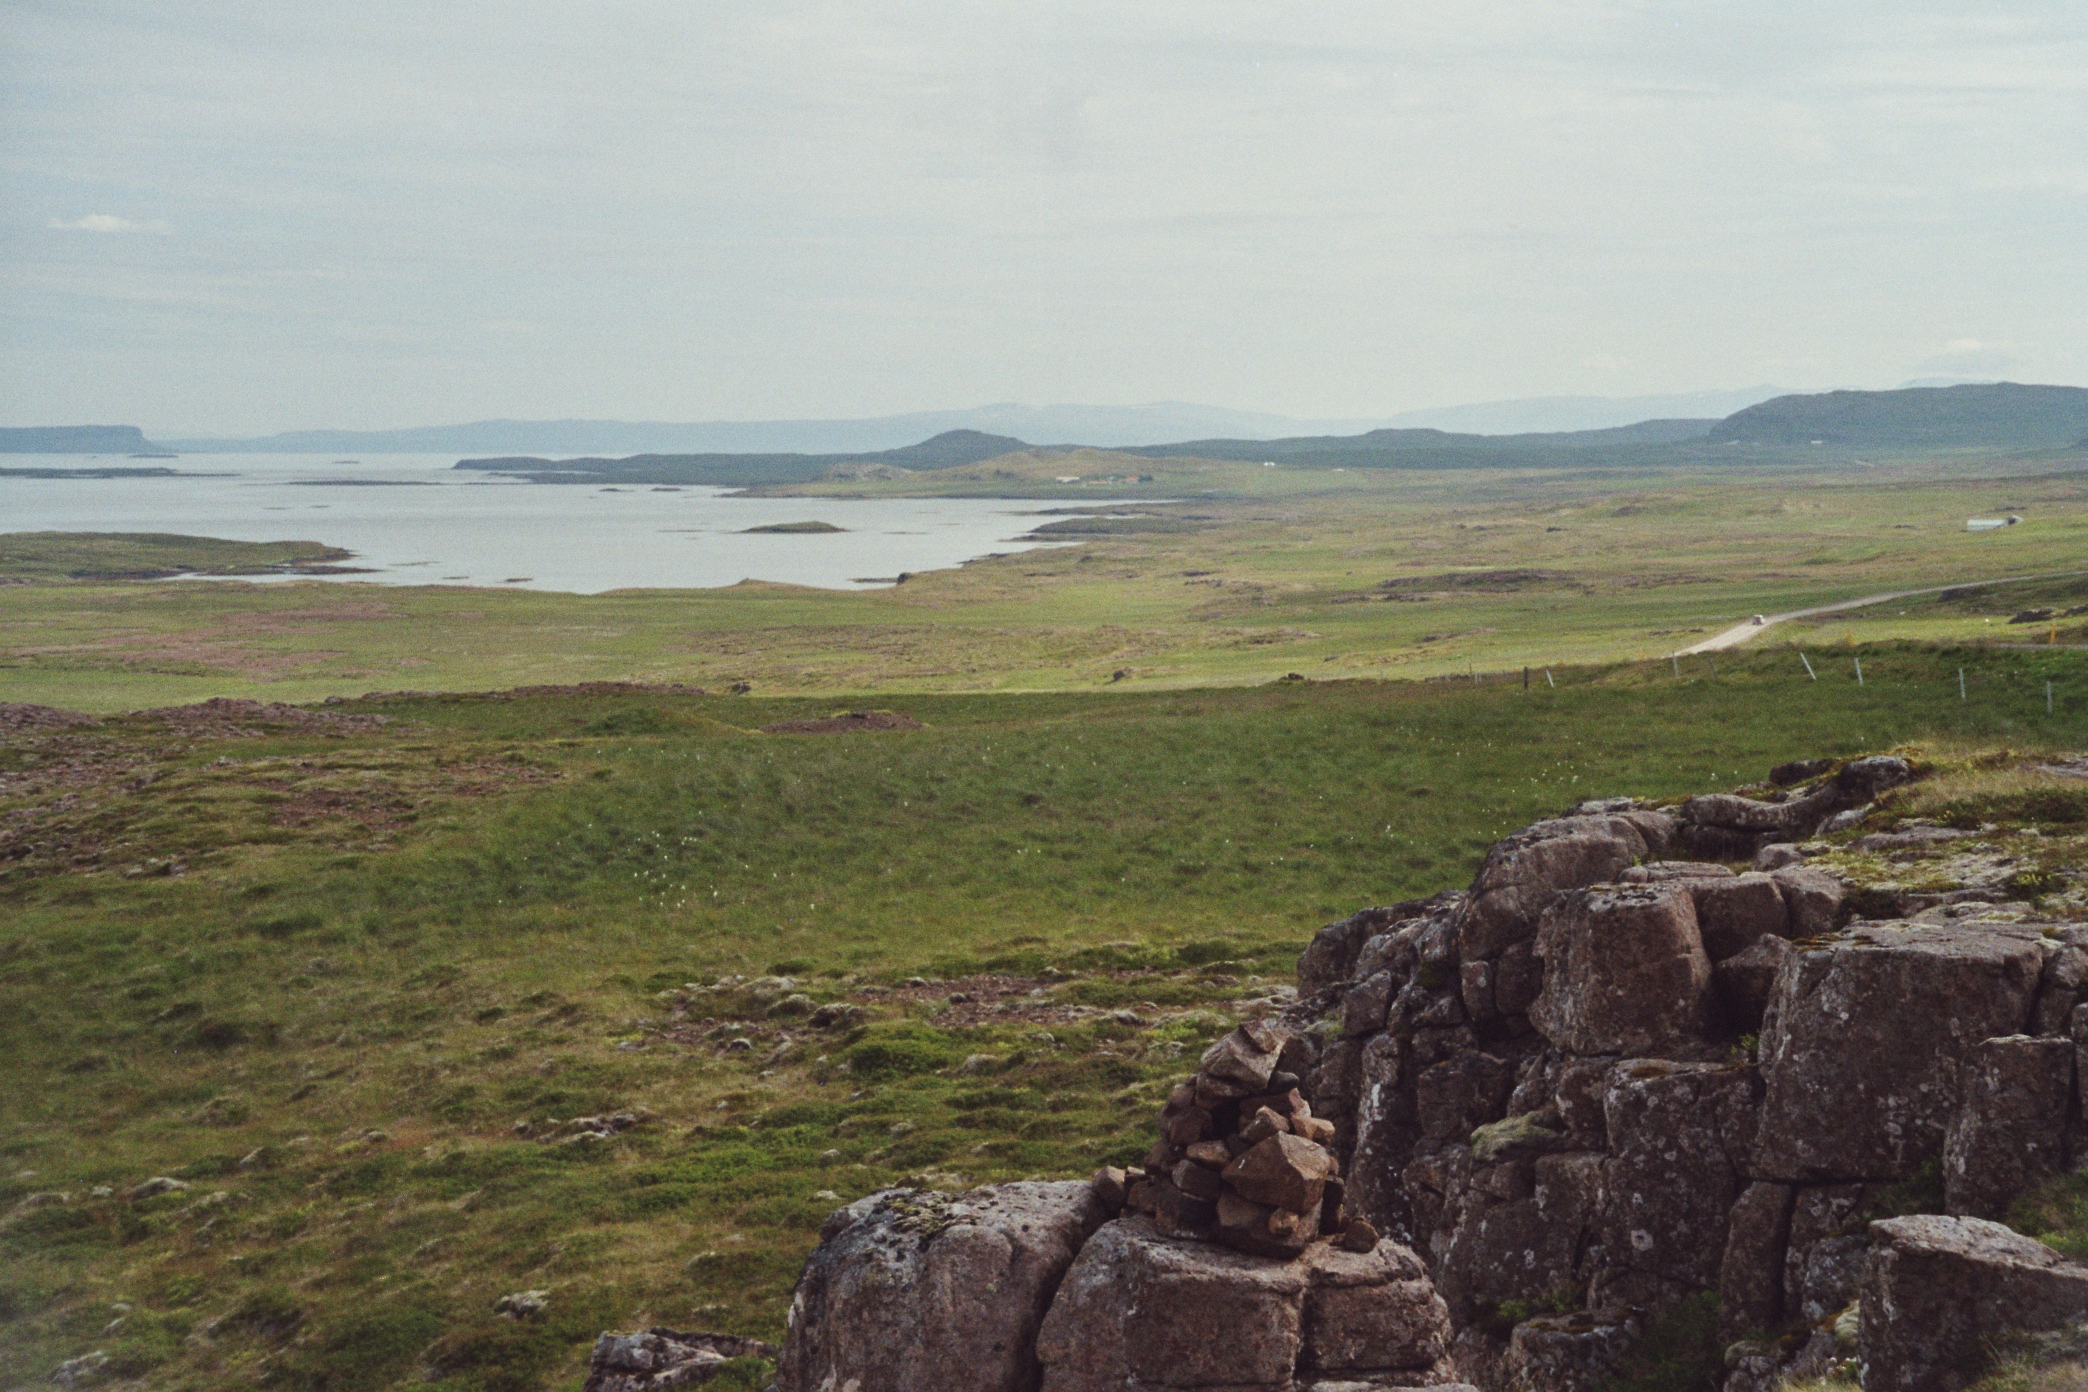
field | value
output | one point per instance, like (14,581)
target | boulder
(1661,870)
(1938,1289)
(1733,913)
(913,1289)
(1141,1311)
(2010,1129)
(664,1358)
(1863,1039)
(1242,1060)
(1624,971)
(1523,873)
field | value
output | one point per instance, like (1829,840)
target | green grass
(60,556)
(384,949)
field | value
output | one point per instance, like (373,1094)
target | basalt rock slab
(1679,1135)
(912,1289)
(1624,971)
(2010,1129)
(1939,1288)
(1864,1036)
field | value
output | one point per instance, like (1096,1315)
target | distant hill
(76,439)
(1435,448)
(1993,415)
(1554,414)
(1107,427)
(949,450)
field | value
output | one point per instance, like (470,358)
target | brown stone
(1524,872)
(1358,1235)
(1212,1153)
(1283,1171)
(1244,1058)
(1177,1212)
(1733,913)
(1825,1251)
(888,1300)
(1138,1195)
(1198,1181)
(1140,1310)
(1460,1094)
(1262,1125)
(2009,1132)
(1679,1136)
(1566,1353)
(1112,1186)
(1938,1290)
(1624,971)
(1812,897)
(1751,1274)
(1518,977)
(1186,1127)
(1864,1036)
(1315,1129)
(1363,1008)
(1161,1157)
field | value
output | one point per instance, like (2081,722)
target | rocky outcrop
(1598,1084)
(910,1289)
(1938,1289)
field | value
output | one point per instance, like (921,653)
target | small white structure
(1990,524)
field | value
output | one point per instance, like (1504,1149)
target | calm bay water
(415,520)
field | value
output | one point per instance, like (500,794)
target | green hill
(1996,415)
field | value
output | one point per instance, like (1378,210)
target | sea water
(417,520)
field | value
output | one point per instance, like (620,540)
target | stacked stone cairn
(1242,1159)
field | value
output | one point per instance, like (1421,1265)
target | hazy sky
(221,216)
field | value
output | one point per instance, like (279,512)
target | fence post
(1859,671)
(1548,679)
(1526,679)
(1808,667)
(1961,683)
(1676,663)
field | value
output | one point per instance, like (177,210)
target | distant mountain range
(76,439)
(1106,427)
(1997,415)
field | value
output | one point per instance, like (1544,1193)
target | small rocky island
(794,528)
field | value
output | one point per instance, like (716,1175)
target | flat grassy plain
(1318,572)
(351,984)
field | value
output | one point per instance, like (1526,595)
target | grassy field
(1332,575)
(372,992)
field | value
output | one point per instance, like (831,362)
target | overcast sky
(229,217)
